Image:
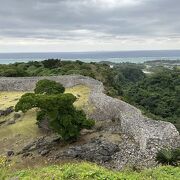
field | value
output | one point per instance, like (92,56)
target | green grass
(25,130)
(9,98)
(87,171)
(14,136)
(82,93)
(27,125)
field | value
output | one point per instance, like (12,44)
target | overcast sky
(88,25)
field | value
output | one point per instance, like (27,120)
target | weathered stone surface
(42,145)
(128,118)
(44,152)
(94,151)
(2,122)
(7,111)
(116,155)
(27,154)
(10,122)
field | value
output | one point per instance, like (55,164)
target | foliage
(87,171)
(12,71)
(51,63)
(130,72)
(4,167)
(158,94)
(2,161)
(59,110)
(48,87)
(113,78)
(169,156)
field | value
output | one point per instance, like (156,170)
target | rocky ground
(27,145)
(102,145)
(115,151)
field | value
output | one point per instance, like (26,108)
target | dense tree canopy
(159,94)
(51,63)
(156,94)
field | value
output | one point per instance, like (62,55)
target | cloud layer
(88,24)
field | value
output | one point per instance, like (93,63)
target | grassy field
(15,136)
(82,93)
(28,119)
(87,171)
(8,99)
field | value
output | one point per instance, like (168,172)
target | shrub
(48,87)
(169,156)
(14,72)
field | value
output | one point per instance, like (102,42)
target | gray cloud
(93,19)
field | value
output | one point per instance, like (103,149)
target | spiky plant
(168,156)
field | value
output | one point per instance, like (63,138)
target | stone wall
(127,118)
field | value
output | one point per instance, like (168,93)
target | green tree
(59,110)
(14,72)
(48,87)
(51,63)
(158,94)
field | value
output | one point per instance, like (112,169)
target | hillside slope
(121,136)
(85,171)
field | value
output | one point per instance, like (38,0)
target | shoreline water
(113,60)
(114,57)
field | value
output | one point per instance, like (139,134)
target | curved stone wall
(128,118)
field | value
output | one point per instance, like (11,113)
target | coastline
(139,60)
(111,56)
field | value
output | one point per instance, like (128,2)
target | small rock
(17,116)
(86,131)
(27,147)
(11,122)
(14,178)
(44,152)
(10,153)
(2,122)
(27,154)
(6,112)
(1,112)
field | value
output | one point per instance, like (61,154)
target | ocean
(112,56)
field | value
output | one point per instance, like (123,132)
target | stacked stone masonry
(129,119)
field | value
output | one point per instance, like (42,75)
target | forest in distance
(156,93)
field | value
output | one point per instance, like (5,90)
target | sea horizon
(135,56)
